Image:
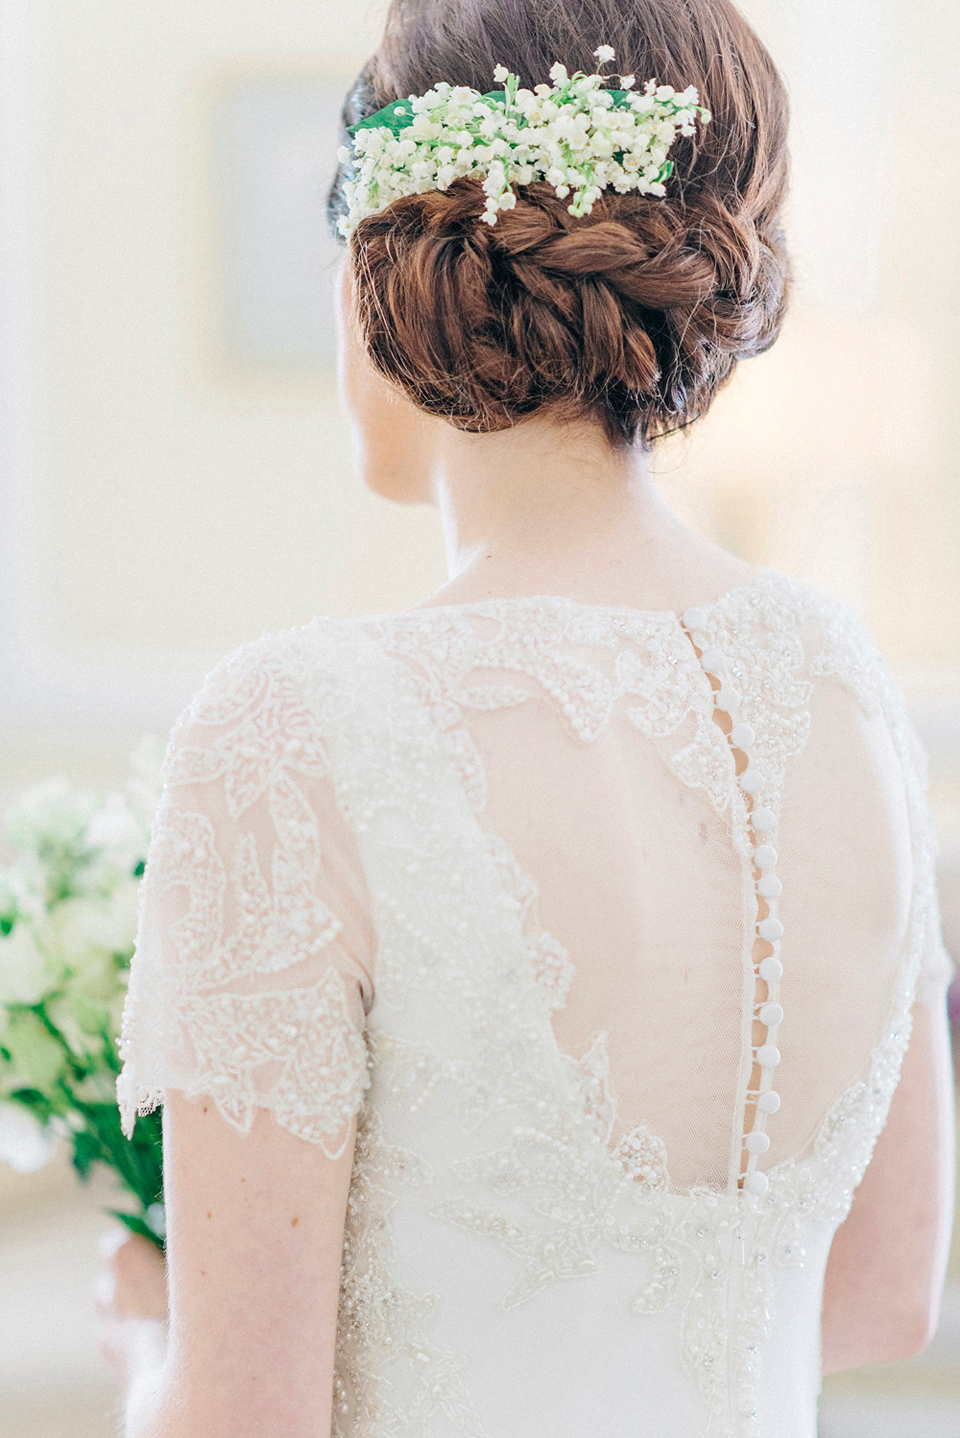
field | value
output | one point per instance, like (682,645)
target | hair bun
(636,312)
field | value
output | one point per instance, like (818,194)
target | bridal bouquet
(68,915)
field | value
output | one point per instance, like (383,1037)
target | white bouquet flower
(68,919)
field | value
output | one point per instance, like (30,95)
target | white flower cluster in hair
(576,134)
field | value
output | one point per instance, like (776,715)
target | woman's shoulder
(271,687)
(829,639)
(783,606)
(771,590)
(286,654)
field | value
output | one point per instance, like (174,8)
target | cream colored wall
(187,502)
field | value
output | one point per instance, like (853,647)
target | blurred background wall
(175,475)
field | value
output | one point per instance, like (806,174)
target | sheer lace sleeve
(252,971)
(936,976)
(936,970)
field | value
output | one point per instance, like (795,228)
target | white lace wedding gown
(505,877)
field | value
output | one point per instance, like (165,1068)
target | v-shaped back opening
(640,775)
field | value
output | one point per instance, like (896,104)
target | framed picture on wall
(274,148)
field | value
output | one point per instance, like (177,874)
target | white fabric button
(768,1102)
(756,1183)
(713,661)
(765,857)
(756,1142)
(770,886)
(770,929)
(763,819)
(770,969)
(727,700)
(752,781)
(771,1014)
(694,619)
(768,1056)
(742,736)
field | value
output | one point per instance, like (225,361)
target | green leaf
(86,1152)
(137,1162)
(398,115)
(110,1056)
(36,1102)
(395,116)
(137,1225)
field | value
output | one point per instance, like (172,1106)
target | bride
(543,984)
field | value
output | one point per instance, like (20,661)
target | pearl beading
(768,968)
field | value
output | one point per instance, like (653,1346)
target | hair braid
(636,313)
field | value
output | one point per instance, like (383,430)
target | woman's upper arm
(887,1265)
(254,1242)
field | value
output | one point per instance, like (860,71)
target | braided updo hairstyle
(635,314)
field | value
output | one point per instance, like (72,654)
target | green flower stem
(137,1162)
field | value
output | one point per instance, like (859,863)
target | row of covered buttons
(763,821)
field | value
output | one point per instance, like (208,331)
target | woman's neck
(551,508)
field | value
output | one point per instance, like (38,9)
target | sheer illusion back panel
(846,865)
(650,893)
(639,882)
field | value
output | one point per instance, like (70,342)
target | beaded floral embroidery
(291,1048)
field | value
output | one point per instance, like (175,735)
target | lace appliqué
(390,1380)
(581,1194)
(585,1199)
(296,1049)
(652,666)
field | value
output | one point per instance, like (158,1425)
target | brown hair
(635,314)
